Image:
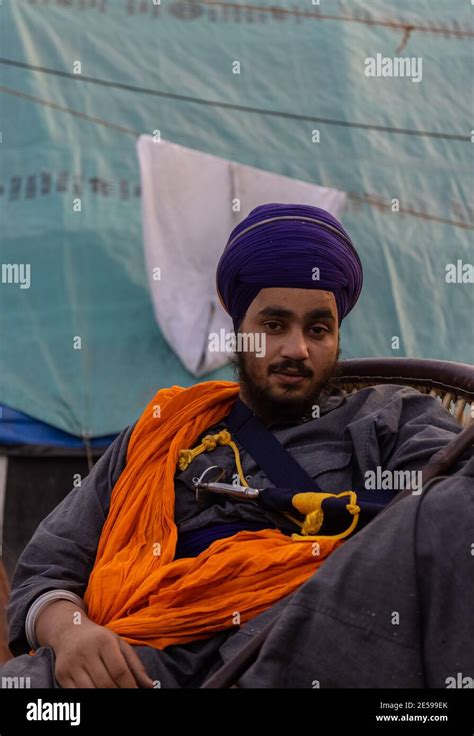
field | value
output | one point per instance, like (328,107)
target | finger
(66,682)
(117,666)
(136,665)
(83,679)
(99,673)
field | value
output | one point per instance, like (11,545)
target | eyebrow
(274,311)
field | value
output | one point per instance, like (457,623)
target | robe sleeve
(61,552)
(411,428)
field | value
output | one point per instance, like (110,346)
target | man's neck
(270,421)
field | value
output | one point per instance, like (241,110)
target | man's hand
(88,655)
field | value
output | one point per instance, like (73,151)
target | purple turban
(280,245)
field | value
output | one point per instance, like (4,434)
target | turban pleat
(292,246)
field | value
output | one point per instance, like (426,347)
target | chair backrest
(452,383)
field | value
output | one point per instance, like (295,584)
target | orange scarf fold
(136,588)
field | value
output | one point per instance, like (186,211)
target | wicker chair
(453,383)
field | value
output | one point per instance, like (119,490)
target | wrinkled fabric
(389,426)
(283,245)
(391,608)
(137,588)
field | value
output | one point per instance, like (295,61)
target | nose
(294,346)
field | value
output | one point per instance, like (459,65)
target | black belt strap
(276,462)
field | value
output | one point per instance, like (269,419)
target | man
(130,582)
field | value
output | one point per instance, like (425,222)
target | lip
(291,379)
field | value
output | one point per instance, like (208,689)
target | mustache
(291,366)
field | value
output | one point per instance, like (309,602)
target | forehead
(299,301)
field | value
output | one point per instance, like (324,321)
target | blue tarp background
(147,67)
(17,428)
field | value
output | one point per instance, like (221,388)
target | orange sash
(136,588)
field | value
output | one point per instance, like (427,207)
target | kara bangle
(44,600)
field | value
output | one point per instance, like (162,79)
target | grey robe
(338,628)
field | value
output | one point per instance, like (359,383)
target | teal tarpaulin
(80,80)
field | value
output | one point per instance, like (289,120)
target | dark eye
(319,330)
(268,324)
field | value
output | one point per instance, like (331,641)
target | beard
(288,407)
